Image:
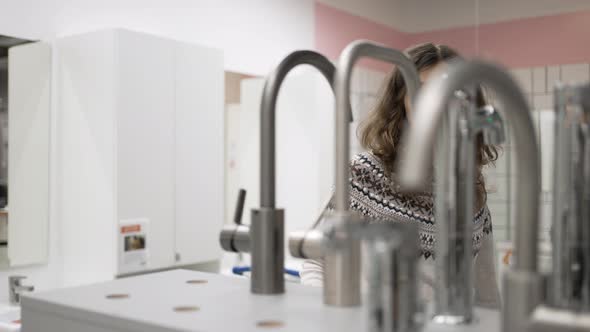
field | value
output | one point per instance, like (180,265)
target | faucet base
(523,291)
(342,261)
(267,233)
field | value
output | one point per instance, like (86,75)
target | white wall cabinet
(140,136)
(29,95)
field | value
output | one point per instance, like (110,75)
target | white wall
(254,34)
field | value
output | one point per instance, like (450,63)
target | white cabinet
(140,137)
(29,93)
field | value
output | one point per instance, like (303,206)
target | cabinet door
(29,85)
(199,153)
(145,140)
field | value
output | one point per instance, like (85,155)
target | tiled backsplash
(537,83)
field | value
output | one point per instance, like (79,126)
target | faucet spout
(349,57)
(523,284)
(264,238)
(342,264)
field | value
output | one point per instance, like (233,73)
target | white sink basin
(9,318)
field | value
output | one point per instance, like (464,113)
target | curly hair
(381,132)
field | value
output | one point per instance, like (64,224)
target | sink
(9,318)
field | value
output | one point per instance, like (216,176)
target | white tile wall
(543,101)
(553,75)
(575,73)
(538,83)
(524,77)
(539,80)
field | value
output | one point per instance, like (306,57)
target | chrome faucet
(523,284)
(15,289)
(393,293)
(455,205)
(341,247)
(264,238)
(570,278)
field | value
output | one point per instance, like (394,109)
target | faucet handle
(236,238)
(240,207)
(15,280)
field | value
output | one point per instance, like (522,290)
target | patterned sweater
(375,195)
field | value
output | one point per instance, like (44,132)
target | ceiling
(427,15)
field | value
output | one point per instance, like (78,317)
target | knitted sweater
(375,195)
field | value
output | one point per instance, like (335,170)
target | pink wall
(548,40)
(539,41)
(334,29)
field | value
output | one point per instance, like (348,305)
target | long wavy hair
(381,132)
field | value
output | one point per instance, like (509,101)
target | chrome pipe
(392,299)
(455,168)
(570,278)
(349,57)
(268,111)
(267,229)
(523,284)
(454,206)
(342,266)
(265,239)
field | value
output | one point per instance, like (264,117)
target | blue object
(239,270)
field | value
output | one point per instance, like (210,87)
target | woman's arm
(486,286)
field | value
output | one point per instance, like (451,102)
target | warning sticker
(130,229)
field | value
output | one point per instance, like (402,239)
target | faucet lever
(240,207)
(236,238)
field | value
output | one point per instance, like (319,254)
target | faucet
(336,242)
(393,293)
(15,288)
(570,279)
(264,238)
(522,284)
(454,202)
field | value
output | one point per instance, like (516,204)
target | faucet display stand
(183,300)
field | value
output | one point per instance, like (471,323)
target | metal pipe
(267,229)
(349,57)
(455,203)
(342,266)
(454,206)
(393,295)
(268,111)
(264,238)
(570,282)
(523,284)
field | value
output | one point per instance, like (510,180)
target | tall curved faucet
(523,284)
(570,282)
(342,260)
(454,207)
(264,238)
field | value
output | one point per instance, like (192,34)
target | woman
(373,181)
